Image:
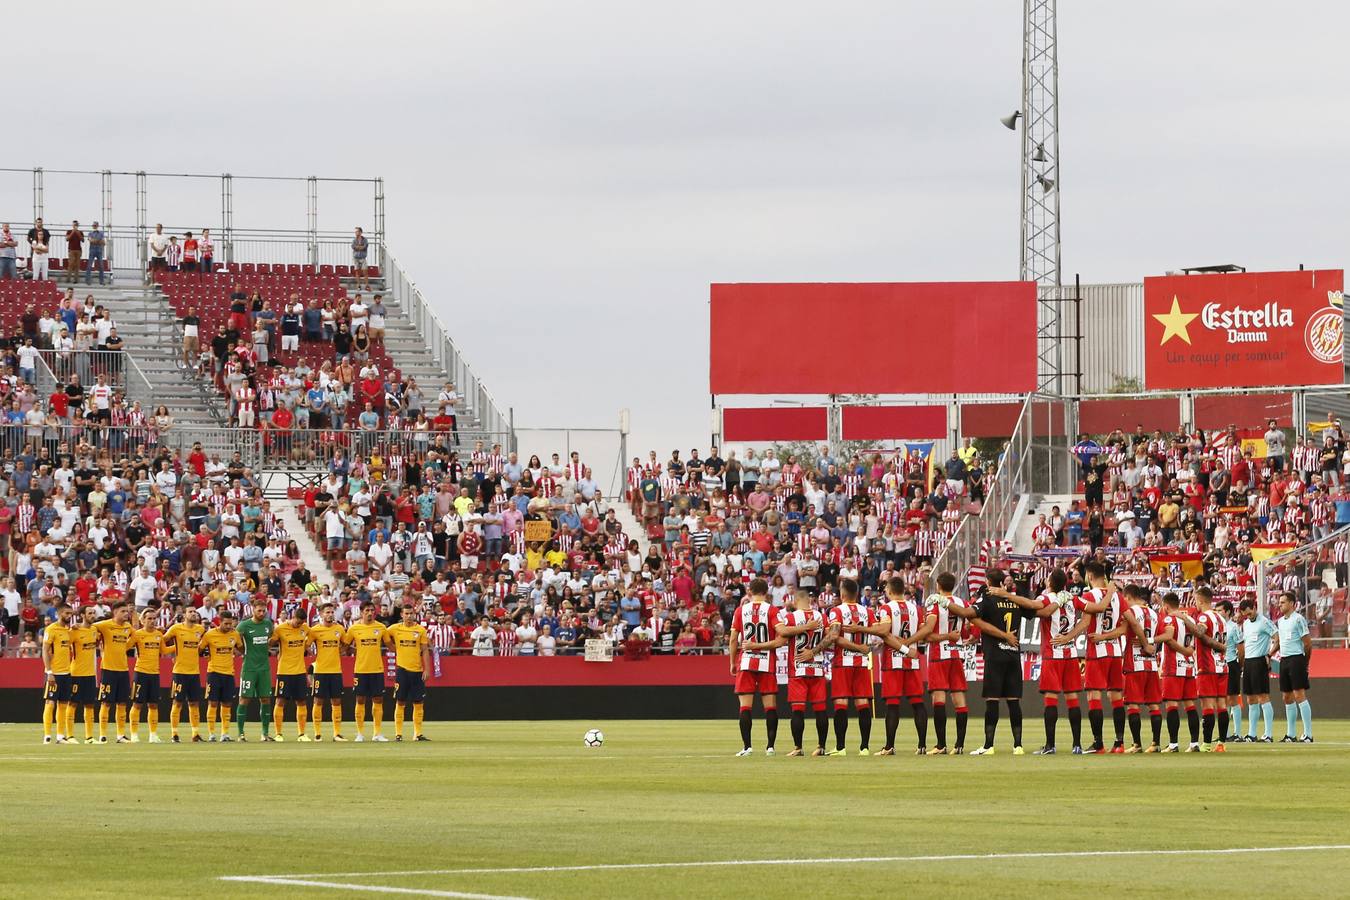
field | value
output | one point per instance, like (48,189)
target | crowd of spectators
(1218,498)
(85,252)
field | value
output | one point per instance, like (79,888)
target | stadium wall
(694,687)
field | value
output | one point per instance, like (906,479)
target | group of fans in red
(1111,643)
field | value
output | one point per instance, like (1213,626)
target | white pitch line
(375,888)
(816,861)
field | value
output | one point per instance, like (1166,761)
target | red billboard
(942,338)
(884,423)
(775,423)
(1249,329)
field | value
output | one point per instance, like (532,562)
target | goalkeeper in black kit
(998,616)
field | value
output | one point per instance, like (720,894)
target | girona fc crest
(1324,335)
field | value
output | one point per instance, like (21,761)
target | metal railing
(490,417)
(1317,574)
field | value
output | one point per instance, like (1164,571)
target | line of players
(74,646)
(1138,659)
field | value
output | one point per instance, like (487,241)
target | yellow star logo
(1174,323)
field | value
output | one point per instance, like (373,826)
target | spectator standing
(157,245)
(39,246)
(98,242)
(8,253)
(1275,446)
(74,251)
(360,248)
(207,252)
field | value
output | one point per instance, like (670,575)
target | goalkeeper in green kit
(255,676)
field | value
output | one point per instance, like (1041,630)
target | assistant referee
(1294,644)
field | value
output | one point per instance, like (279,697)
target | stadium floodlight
(1045,183)
(1010,121)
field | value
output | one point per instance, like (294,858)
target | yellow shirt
(116,638)
(369,640)
(83,650)
(327,641)
(220,646)
(57,637)
(292,642)
(187,641)
(533,559)
(148,645)
(408,642)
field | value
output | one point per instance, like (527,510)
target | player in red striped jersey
(1142,687)
(1059,663)
(803,629)
(1178,668)
(903,627)
(850,674)
(946,668)
(1211,667)
(750,645)
(1101,606)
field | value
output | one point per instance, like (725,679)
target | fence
(602,449)
(1317,575)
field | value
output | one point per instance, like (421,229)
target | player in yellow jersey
(114,690)
(148,642)
(184,641)
(221,645)
(56,663)
(291,638)
(83,683)
(366,637)
(327,638)
(412,659)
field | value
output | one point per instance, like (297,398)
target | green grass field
(116,821)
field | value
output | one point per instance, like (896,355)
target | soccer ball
(594,738)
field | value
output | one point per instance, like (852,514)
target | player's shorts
(1234,679)
(851,682)
(58,689)
(187,688)
(1175,688)
(1106,673)
(1211,684)
(1294,673)
(115,688)
(898,683)
(1143,688)
(328,685)
(255,683)
(947,675)
(369,684)
(221,688)
(83,689)
(293,687)
(809,689)
(411,686)
(748,682)
(1256,676)
(146,689)
(1061,676)
(1002,677)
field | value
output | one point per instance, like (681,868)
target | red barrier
(881,423)
(778,423)
(977,337)
(1244,410)
(1249,329)
(573,671)
(1105,416)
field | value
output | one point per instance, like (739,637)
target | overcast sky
(565,179)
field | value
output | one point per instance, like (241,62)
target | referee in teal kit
(1254,651)
(1294,644)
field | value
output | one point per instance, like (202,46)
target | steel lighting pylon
(1040,243)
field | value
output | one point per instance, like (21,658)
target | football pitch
(663,809)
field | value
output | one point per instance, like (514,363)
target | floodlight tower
(1040,246)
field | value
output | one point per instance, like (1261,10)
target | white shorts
(468,562)
(290,342)
(246,419)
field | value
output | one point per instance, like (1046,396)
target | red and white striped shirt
(807,640)
(1058,623)
(754,622)
(1101,623)
(1208,660)
(1136,660)
(906,620)
(1174,664)
(847,615)
(442,636)
(947,621)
